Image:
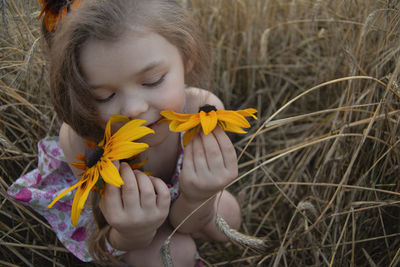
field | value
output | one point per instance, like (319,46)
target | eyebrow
(150,67)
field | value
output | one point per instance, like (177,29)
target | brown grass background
(319,171)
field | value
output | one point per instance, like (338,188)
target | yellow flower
(98,159)
(207,119)
(55,10)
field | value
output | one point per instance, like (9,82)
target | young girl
(135,58)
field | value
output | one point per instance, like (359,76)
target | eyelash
(106,99)
(155,83)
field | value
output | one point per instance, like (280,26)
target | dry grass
(319,172)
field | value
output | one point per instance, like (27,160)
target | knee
(229,209)
(183,250)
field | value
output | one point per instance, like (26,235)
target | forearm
(182,207)
(130,242)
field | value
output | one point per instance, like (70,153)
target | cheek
(173,97)
(175,101)
(104,115)
(106,110)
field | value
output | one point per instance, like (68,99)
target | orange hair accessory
(55,9)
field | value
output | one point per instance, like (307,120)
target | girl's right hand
(137,209)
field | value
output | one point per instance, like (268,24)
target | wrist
(195,201)
(182,207)
(115,252)
(126,242)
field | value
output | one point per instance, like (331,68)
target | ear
(189,65)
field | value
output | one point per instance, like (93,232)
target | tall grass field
(318,171)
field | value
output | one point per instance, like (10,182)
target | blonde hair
(109,20)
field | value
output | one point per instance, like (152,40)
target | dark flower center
(55,6)
(207,108)
(93,155)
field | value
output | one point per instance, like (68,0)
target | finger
(226,147)
(130,190)
(199,156)
(146,190)
(187,164)
(117,164)
(213,152)
(162,193)
(110,203)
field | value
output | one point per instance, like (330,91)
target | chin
(161,134)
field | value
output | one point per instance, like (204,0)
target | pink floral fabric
(39,187)
(174,187)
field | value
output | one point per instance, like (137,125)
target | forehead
(105,61)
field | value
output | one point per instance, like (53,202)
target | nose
(134,106)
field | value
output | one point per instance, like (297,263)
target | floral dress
(39,187)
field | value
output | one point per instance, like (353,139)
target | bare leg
(183,250)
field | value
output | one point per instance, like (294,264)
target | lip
(154,124)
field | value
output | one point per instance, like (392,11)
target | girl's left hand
(209,164)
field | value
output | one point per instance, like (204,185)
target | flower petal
(79,165)
(93,176)
(232,117)
(124,150)
(43,8)
(173,125)
(230,127)
(107,133)
(90,144)
(75,4)
(192,122)
(171,115)
(208,121)
(248,112)
(131,131)
(109,173)
(80,157)
(164,120)
(63,193)
(82,194)
(188,135)
(50,20)
(139,164)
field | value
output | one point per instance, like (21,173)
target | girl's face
(138,76)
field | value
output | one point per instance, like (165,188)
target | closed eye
(104,100)
(154,84)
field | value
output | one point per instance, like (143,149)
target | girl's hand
(209,164)
(137,209)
